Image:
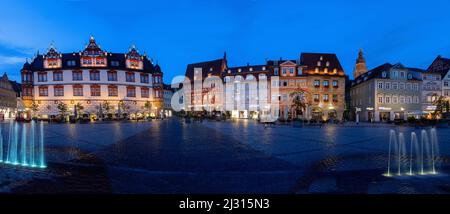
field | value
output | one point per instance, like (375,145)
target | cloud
(11,60)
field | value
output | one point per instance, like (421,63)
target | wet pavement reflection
(169,156)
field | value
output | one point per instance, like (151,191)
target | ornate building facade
(319,76)
(441,65)
(8,99)
(92,83)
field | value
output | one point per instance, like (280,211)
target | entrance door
(384,116)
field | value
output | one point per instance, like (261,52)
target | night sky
(176,33)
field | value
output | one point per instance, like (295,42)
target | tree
(299,102)
(148,107)
(442,105)
(79,108)
(34,108)
(107,107)
(62,107)
(125,107)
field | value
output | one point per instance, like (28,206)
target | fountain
(21,148)
(423,155)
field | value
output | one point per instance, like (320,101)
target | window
(77,75)
(316,97)
(408,99)
(43,91)
(144,78)
(316,83)
(402,86)
(325,98)
(284,70)
(77,90)
(94,75)
(131,92)
(408,86)
(335,83)
(27,78)
(387,85)
(402,74)
(42,77)
(326,83)
(335,98)
(71,63)
(59,91)
(157,94)
(394,86)
(130,77)
(402,99)
(416,99)
(112,76)
(275,71)
(380,85)
(380,99)
(384,74)
(145,92)
(291,70)
(395,99)
(27,92)
(446,83)
(158,79)
(57,76)
(387,99)
(115,63)
(316,70)
(113,91)
(395,74)
(95,91)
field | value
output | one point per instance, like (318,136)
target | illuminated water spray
(422,157)
(21,148)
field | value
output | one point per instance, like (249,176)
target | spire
(360,67)
(360,57)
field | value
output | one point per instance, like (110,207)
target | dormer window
(210,69)
(264,68)
(321,58)
(239,70)
(71,63)
(319,63)
(328,64)
(115,63)
(93,55)
(251,69)
(384,74)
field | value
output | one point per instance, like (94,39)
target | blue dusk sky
(176,33)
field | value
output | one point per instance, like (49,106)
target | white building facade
(92,83)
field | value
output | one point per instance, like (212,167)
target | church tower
(360,67)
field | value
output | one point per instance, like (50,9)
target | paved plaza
(170,156)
